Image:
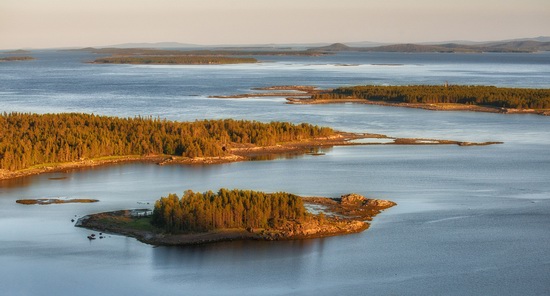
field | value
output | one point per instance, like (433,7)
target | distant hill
(529,46)
(419,48)
(541,43)
(523,45)
(153,45)
(19,51)
(335,47)
(365,44)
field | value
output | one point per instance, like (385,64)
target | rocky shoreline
(340,216)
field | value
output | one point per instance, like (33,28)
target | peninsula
(38,143)
(430,97)
(198,218)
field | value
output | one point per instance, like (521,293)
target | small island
(49,201)
(198,218)
(16,59)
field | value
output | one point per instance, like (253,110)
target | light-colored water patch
(373,141)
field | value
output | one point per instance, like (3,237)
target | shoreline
(431,107)
(283,91)
(238,153)
(341,216)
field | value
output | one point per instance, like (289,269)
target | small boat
(91,237)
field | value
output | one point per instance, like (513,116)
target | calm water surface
(469,220)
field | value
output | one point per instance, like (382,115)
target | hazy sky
(62,23)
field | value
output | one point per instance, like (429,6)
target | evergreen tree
(199,212)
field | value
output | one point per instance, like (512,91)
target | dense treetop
(31,139)
(199,212)
(475,95)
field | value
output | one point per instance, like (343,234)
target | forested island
(16,58)
(37,143)
(207,217)
(29,140)
(432,97)
(174,60)
(186,57)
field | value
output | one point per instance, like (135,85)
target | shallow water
(469,220)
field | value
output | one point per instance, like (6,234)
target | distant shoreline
(238,153)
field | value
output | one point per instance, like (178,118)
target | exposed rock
(313,228)
(352,198)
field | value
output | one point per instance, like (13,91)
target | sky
(80,23)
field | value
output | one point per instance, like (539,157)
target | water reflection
(14,183)
(236,252)
(256,264)
(313,151)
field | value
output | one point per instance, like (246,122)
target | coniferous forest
(200,212)
(519,98)
(32,139)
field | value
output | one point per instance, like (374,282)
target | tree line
(519,98)
(200,212)
(32,139)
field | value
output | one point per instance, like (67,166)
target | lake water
(469,220)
